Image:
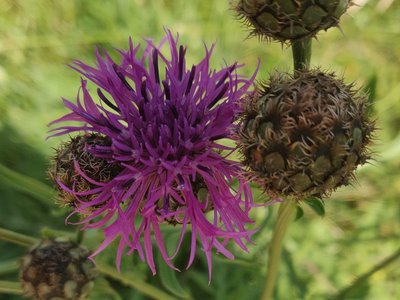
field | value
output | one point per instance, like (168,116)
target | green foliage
(321,255)
(317,205)
(299,213)
(168,276)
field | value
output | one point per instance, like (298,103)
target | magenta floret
(165,125)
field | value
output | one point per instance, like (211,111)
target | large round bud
(290,20)
(305,135)
(57,270)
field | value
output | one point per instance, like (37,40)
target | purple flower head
(165,123)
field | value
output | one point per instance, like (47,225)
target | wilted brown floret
(305,135)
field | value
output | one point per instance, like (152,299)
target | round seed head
(290,20)
(305,135)
(57,270)
(78,159)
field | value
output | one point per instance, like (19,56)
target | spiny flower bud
(79,163)
(57,270)
(305,135)
(290,20)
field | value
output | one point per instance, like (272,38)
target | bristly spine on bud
(305,135)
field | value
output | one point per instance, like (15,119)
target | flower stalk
(285,215)
(7,267)
(10,287)
(16,238)
(301,51)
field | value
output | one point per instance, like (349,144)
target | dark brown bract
(57,270)
(171,205)
(290,20)
(305,135)
(77,150)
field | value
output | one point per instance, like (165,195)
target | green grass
(38,38)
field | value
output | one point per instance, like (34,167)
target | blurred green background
(38,38)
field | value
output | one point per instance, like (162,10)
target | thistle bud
(80,156)
(172,210)
(305,135)
(290,20)
(57,270)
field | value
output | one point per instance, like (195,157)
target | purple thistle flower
(165,125)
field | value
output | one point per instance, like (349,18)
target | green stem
(50,233)
(10,287)
(16,238)
(364,277)
(285,215)
(7,267)
(130,280)
(28,185)
(80,235)
(135,283)
(301,51)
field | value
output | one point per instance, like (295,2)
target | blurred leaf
(295,280)
(8,266)
(370,89)
(103,290)
(18,154)
(21,213)
(299,213)
(168,275)
(361,292)
(201,283)
(26,184)
(169,279)
(317,205)
(132,281)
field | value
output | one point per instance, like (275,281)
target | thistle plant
(148,152)
(157,157)
(303,134)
